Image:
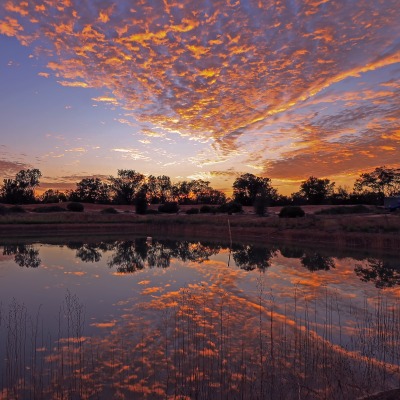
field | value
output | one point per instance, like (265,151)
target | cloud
(252,78)
(9,168)
(132,153)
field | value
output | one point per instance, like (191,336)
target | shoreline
(375,232)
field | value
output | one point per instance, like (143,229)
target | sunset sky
(199,89)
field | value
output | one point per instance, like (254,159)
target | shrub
(358,209)
(3,210)
(16,209)
(169,207)
(192,211)
(151,211)
(76,207)
(291,212)
(230,207)
(208,209)
(48,209)
(109,210)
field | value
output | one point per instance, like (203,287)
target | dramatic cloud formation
(289,89)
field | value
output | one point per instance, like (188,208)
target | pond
(151,318)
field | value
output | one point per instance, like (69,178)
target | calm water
(127,319)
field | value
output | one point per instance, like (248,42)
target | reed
(206,343)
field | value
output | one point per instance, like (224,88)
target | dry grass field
(373,230)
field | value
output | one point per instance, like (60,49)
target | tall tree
(126,185)
(53,196)
(91,190)
(315,190)
(248,186)
(159,188)
(383,181)
(21,190)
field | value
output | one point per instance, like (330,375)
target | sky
(199,89)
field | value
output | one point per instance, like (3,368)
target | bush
(169,208)
(208,209)
(151,211)
(16,210)
(109,210)
(3,210)
(231,207)
(48,209)
(76,207)
(358,209)
(291,212)
(192,211)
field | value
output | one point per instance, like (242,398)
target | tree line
(132,187)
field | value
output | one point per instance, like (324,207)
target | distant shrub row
(230,208)
(11,210)
(49,209)
(358,209)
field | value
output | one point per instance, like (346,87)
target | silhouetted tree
(126,186)
(159,189)
(382,181)
(247,186)
(91,190)
(21,189)
(53,196)
(141,202)
(315,190)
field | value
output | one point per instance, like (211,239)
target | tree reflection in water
(24,255)
(384,274)
(314,261)
(250,257)
(129,256)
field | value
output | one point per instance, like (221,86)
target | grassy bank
(378,231)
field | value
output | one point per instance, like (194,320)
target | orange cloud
(245,77)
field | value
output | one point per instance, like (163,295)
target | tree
(53,196)
(182,192)
(91,190)
(21,190)
(247,186)
(141,202)
(126,186)
(212,196)
(159,188)
(383,181)
(316,190)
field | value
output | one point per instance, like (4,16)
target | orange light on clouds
(241,77)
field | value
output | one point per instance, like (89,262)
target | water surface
(134,318)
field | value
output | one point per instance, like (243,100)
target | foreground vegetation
(206,344)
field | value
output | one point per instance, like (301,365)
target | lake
(90,318)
